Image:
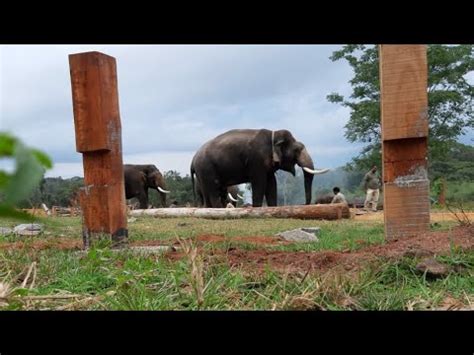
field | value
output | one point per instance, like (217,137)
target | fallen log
(328,212)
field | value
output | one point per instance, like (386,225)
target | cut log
(327,212)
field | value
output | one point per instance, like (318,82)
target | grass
(105,280)
(120,281)
(345,234)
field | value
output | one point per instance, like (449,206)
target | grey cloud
(174,98)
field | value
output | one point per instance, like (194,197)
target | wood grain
(404,121)
(98,137)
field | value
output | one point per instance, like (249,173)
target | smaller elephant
(229,198)
(324,199)
(229,195)
(140,178)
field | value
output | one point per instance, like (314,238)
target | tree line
(457,169)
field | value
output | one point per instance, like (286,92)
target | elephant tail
(192,182)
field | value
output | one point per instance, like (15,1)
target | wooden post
(404,108)
(98,138)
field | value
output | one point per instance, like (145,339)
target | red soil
(430,243)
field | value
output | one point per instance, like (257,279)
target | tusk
(316,171)
(231,197)
(163,191)
(241,197)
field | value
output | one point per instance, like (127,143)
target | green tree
(459,165)
(450,99)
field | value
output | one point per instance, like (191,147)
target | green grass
(130,282)
(109,280)
(345,234)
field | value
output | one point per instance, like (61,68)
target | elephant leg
(224,198)
(143,199)
(259,185)
(216,201)
(212,199)
(211,189)
(200,200)
(162,199)
(271,190)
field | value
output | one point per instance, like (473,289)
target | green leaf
(42,158)
(7,144)
(26,177)
(4,179)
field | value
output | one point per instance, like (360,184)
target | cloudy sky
(173,98)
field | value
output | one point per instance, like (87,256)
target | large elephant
(250,155)
(140,178)
(227,195)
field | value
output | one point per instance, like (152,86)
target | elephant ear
(151,176)
(143,177)
(278,141)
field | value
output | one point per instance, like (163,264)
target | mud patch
(433,243)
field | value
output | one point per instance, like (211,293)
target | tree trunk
(328,212)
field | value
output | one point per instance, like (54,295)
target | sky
(174,98)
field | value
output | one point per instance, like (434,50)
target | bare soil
(432,243)
(427,244)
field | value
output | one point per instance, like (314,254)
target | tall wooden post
(98,138)
(404,108)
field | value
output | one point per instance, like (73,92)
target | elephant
(324,199)
(250,155)
(232,196)
(139,178)
(227,195)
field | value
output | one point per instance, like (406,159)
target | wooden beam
(404,108)
(326,212)
(99,139)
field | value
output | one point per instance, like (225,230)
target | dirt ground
(262,255)
(428,244)
(257,260)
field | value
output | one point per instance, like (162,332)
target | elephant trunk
(160,185)
(304,161)
(308,183)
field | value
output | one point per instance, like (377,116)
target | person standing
(372,187)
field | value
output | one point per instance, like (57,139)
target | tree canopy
(450,99)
